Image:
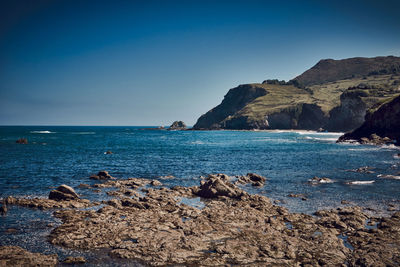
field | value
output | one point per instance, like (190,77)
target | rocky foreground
(152,224)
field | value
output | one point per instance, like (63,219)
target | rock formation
(381,126)
(177,125)
(63,192)
(16,256)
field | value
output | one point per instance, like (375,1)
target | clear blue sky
(153,62)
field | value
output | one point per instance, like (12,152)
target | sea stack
(177,125)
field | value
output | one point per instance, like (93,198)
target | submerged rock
(74,260)
(63,192)
(320,180)
(22,141)
(16,256)
(365,169)
(3,209)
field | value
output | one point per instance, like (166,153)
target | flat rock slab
(16,256)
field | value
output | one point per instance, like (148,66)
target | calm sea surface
(68,155)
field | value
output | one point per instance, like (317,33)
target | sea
(58,155)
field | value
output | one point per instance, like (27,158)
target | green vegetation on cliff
(336,105)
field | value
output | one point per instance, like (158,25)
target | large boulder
(218,185)
(63,192)
(177,125)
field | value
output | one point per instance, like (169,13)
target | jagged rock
(63,192)
(22,141)
(16,256)
(101,175)
(158,229)
(74,260)
(177,125)
(252,178)
(218,185)
(381,126)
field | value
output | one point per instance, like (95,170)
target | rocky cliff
(383,121)
(327,96)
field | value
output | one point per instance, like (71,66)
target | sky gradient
(153,62)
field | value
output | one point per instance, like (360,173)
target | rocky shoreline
(213,224)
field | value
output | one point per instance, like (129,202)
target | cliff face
(329,101)
(234,100)
(349,114)
(384,122)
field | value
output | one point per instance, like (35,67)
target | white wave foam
(318,133)
(360,182)
(42,132)
(330,139)
(388,176)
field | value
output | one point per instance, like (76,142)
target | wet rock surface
(101,175)
(161,226)
(320,180)
(63,192)
(43,203)
(16,256)
(253,179)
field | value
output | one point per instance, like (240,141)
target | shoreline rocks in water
(253,179)
(63,192)
(17,256)
(101,175)
(159,227)
(320,180)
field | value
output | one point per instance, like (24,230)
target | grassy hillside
(329,70)
(291,105)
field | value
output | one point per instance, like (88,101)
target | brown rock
(63,192)
(155,183)
(101,175)
(218,185)
(16,256)
(74,260)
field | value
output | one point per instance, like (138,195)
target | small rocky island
(177,125)
(214,224)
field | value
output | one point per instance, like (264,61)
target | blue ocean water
(69,155)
